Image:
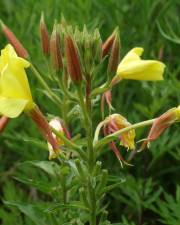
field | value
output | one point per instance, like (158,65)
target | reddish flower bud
(161,124)
(106,46)
(73,62)
(44,36)
(55,51)
(3,122)
(114,55)
(44,128)
(20,50)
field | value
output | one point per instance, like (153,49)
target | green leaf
(29,210)
(49,167)
(71,205)
(42,186)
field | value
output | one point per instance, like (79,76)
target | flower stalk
(111,137)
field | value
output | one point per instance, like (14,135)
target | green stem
(111,137)
(87,113)
(88,128)
(103,88)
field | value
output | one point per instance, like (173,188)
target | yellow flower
(15,94)
(56,124)
(133,67)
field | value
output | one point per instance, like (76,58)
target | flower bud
(106,46)
(3,122)
(161,124)
(44,36)
(97,49)
(73,62)
(55,51)
(114,55)
(20,50)
(56,124)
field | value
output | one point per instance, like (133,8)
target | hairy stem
(87,113)
(88,128)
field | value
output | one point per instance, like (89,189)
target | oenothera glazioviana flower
(161,124)
(135,68)
(15,94)
(112,124)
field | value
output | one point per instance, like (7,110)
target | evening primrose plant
(76,57)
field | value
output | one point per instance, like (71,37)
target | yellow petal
(8,54)
(127,138)
(133,67)
(12,107)
(14,83)
(132,55)
(142,70)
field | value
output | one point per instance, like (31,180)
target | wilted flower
(116,122)
(161,124)
(133,67)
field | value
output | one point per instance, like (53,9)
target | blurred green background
(151,193)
